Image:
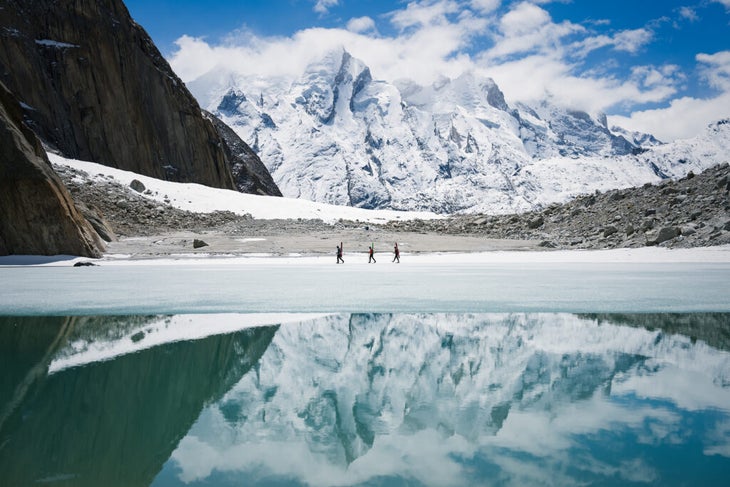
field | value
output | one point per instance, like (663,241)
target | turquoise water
(366,399)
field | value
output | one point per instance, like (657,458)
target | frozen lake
(554,368)
(637,281)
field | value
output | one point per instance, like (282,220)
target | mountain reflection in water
(457,399)
(112,422)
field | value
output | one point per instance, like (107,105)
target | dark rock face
(97,220)
(94,86)
(37,214)
(249,173)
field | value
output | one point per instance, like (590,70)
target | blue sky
(657,66)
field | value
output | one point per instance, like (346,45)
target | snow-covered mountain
(337,134)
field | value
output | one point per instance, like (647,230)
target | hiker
(396,254)
(372,258)
(339,254)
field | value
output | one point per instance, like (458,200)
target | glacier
(337,134)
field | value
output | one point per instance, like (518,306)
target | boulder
(665,234)
(137,185)
(609,230)
(647,225)
(536,223)
(199,243)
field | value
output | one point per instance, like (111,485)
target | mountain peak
(231,101)
(335,78)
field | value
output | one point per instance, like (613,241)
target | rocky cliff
(93,85)
(37,214)
(249,173)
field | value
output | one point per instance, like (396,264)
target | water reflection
(112,422)
(503,399)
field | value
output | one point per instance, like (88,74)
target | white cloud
(485,6)
(523,19)
(361,25)
(627,40)
(689,13)
(424,14)
(632,40)
(724,2)
(528,28)
(323,6)
(684,117)
(422,55)
(667,76)
(715,69)
(194,57)
(529,55)
(593,94)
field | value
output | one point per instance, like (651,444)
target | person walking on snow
(396,254)
(339,254)
(372,252)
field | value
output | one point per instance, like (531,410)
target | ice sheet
(497,282)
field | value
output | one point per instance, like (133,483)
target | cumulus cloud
(361,24)
(528,28)
(627,40)
(667,76)
(683,118)
(323,6)
(529,54)
(523,19)
(724,2)
(424,14)
(485,6)
(715,69)
(685,115)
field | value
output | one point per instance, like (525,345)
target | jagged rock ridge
(249,173)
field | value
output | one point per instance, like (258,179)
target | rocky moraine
(691,212)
